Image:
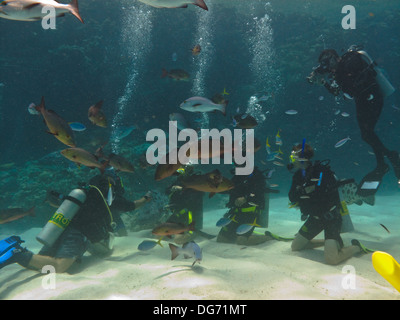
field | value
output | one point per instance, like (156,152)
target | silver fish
(189,250)
(200,104)
(32,10)
(175,3)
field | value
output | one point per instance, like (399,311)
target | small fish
(342,142)
(224,93)
(278,140)
(176,74)
(277,163)
(32,109)
(314,179)
(96,115)
(196,50)
(170,228)
(274,185)
(244,121)
(384,228)
(110,196)
(304,197)
(122,132)
(9,215)
(81,156)
(57,126)
(35,10)
(225,221)
(175,3)
(345,114)
(200,104)
(337,112)
(147,245)
(270,172)
(189,250)
(320,98)
(174,57)
(291,112)
(267,146)
(244,228)
(77,126)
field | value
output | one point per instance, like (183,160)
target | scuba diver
(186,205)
(315,190)
(83,222)
(359,78)
(249,208)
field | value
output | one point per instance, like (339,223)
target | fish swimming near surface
(212,182)
(171,228)
(57,126)
(175,3)
(244,121)
(9,215)
(34,10)
(96,115)
(189,250)
(196,50)
(201,104)
(176,74)
(82,157)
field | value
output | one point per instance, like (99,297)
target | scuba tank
(62,217)
(384,84)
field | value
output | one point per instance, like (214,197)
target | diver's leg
(301,243)
(334,254)
(60,264)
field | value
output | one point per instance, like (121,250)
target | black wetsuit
(315,190)
(93,218)
(355,77)
(186,205)
(252,188)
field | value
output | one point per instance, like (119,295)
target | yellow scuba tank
(386,87)
(62,217)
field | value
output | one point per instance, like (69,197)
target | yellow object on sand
(387,267)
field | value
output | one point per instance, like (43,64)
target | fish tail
(40,107)
(73,8)
(159,242)
(164,73)
(174,251)
(201,4)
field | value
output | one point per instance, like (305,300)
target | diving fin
(370,183)
(8,243)
(276,237)
(387,267)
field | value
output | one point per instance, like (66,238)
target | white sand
(266,271)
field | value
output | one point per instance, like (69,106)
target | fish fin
(61,15)
(30,6)
(73,8)
(164,73)
(201,4)
(41,107)
(54,134)
(174,251)
(211,194)
(159,242)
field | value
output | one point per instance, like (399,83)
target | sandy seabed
(227,272)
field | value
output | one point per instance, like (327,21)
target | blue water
(251,48)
